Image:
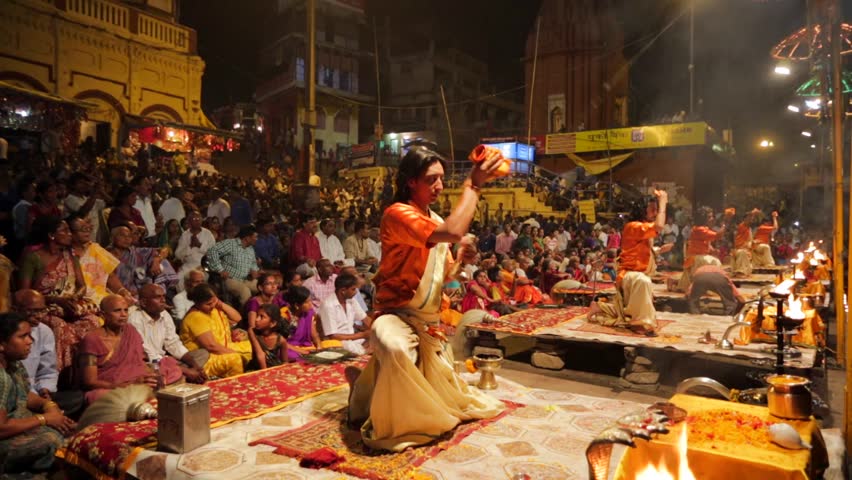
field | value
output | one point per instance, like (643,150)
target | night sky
(732,43)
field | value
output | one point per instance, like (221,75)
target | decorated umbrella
(804,43)
(813,87)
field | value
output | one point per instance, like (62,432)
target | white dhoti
(698,261)
(633,306)
(762,256)
(742,265)
(409,394)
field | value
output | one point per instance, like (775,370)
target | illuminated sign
(516,151)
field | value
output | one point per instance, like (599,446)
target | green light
(813,87)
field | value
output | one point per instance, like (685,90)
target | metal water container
(183,420)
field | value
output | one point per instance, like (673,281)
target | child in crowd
(270,341)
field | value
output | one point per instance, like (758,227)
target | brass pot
(487,364)
(789,397)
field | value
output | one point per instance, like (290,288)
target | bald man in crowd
(41,362)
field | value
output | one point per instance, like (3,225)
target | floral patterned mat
(359,460)
(526,322)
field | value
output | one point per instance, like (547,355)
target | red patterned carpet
(332,432)
(526,322)
(598,328)
(107,449)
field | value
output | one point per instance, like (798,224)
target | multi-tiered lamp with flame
(813,269)
(788,320)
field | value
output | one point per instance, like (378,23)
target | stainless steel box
(183,418)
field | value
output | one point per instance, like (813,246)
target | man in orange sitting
(699,247)
(634,299)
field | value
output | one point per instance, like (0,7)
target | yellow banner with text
(650,136)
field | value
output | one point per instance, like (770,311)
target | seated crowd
(177,277)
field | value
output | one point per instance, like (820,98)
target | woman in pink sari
(112,356)
(51,268)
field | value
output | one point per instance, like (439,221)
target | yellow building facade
(120,58)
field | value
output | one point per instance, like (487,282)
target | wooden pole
(449,131)
(379,128)
(532,82)
(310,83)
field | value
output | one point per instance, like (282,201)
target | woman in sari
(304,337)
(112,356)
(140,265)
(208,325)
(96,263)
(409,394)
(31,427)
(51,269)
(123,212)
(477,297)
(170,236)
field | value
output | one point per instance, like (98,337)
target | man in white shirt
(193,244)
(340,312)
(603,236)
(562,238)
(374,243)
(159,335)
(330,245)
(142,185)
(172,207)
(181,303)
(219,208)
(83,201)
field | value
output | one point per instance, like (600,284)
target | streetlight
(781,69)
(806,133)
(813,104)
(766,143)
(793,108)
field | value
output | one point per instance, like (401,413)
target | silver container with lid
(183,420)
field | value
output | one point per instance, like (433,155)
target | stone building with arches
(122,58)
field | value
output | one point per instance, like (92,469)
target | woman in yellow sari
(208,326)
(408,394)
(96,264)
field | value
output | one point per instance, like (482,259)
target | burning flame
(811,247)
(799,275)
(786,286)
(794,308)
(799,258)
(660,472)
(818,255)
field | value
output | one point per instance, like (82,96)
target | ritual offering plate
(329,355)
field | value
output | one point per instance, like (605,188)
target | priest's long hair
(419,158)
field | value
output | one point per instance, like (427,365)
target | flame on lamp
(818,255)
(660,472)
(799,275)
(786,286)
(794,308)
(811,247)
(799,258)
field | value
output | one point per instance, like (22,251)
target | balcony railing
(175,36)
(129,21)
(100,10)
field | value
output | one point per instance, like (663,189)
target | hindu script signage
(630,138)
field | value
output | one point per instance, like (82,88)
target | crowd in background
(153,272)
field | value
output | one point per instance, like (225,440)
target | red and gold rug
(598,328)
(331,432)
(526,322)
(106,450)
